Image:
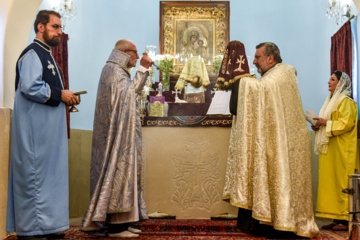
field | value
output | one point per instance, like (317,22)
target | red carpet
(189,229)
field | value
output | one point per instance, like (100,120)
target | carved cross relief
(196,176)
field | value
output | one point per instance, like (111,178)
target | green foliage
(217,63)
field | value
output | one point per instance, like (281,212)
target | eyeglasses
(130,50)
(56,27)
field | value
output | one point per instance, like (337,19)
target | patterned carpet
(189,229)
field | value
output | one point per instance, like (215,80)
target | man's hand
(314,128)
(69,98)
(145,61)
(320,121)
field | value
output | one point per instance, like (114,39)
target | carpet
(155,229)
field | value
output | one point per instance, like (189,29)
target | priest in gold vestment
(268,173)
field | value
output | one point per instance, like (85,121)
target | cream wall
(357,4)
(20,16)
(4,11)
(5,133)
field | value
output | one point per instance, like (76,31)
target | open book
(220,104)
(310,114)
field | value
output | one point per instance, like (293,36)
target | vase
(166,81)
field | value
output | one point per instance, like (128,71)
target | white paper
(310,114)
(220,104)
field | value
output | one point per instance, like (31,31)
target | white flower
(161,57)
(158,57)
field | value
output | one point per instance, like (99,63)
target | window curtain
(60,54)
(341,50)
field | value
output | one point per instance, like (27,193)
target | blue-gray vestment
(116,159)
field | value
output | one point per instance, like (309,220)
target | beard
(259,69)
(133,64)
(53,42)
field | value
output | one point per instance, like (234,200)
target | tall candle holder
(151,53)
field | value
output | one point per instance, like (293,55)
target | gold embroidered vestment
(269,168)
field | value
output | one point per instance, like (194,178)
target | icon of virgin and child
(194,42)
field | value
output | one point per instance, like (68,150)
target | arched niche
(20,16)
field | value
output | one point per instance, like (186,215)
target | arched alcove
(20,16)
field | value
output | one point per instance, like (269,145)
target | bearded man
(38,196)
(268,173)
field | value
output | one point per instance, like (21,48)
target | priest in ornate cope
(268,172)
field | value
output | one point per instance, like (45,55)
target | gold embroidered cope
(269,169)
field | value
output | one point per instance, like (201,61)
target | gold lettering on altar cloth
(162,123)
(216,122)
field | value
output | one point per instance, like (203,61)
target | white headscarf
(343,89)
